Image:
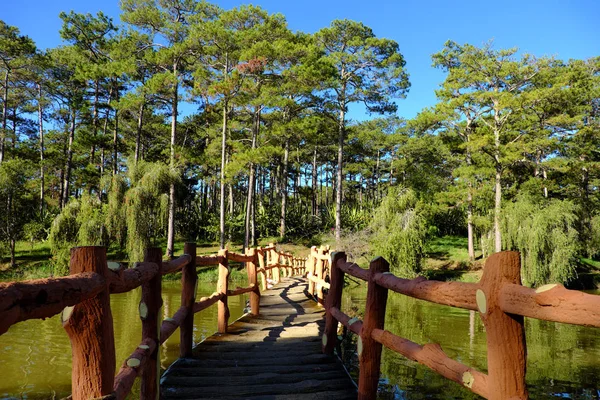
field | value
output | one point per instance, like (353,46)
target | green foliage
(399,232)
(63,236)
(545,235)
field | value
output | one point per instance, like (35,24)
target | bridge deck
(276,355)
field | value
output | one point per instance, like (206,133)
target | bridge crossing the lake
(284,348)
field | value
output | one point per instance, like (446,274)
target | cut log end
(481,301)
(143,310)
(113,265)
(143,347)
(133,362)
(545,288)
(468,379)
(66,314)
(359,346)
(324,340)
(352,320)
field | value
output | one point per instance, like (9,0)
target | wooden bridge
(284,348)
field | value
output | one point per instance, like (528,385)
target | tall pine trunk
(4,117)
(171,222)
(498,181)
(315,209)
(138,136)
(284,188)
(69,162)
(340,161)
(41,133)
(222,188)
(250,231)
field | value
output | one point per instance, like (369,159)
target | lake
(35,355)
(563,360)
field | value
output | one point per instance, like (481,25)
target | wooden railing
(499,297)
(84,299)
(318,270)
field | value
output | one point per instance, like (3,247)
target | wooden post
(319,274)
(274,261)
(311,269)
(506,349)
(252,280)
(269,273)
(290,262)
(89,326)
(150,314)
(334,299)
(222,287)
(261,264)
(188,297)
(369,351)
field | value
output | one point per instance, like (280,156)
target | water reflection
(35,356)
(563,360)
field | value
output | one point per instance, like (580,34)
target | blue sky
(564,29)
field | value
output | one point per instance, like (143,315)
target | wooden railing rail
(499,297)
(83,298)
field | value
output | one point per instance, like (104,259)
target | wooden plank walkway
(276,355)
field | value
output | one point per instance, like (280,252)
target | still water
(35,356)
(563,361)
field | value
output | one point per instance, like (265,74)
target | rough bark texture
(370,356)
(432,356)
(188,298)
(152,302)
(284,188)
(129,372)
(455,294)
(334,299)
(505,333)
(252,280)
(223,308)
(89,326)
(310,271)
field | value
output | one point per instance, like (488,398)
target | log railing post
(188,297)
(275,262)
(261,264)
(369,351)
(334,299)
(89,326)
(319,274)
(253,280)
(269,272)
(222,287)
(311,269)
(506,349)
(149,309)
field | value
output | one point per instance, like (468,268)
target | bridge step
(276,355)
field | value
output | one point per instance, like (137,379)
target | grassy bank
(34,260)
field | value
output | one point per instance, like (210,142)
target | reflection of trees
(561,358)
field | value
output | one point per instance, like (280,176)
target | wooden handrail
(83,296)
(500,299)
(168,267)
(44,298)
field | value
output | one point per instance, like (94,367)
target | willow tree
(368,70)
(398,232)
(488,85)
(168,24)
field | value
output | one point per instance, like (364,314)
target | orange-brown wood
(311,269)
(131,369)
(149,309)
(353,324)
(204,261)
(369,354)
(237,257)
(505,333)
(89,326)
(124,280)
(43,298)
(222,287)
(434,357)
(175,265)
(170,325)
(319,275)
(261,269)
(275,271)
(206,302)
(188,298)
(253,281)
(551,303)
(334,299)
(241,290)
(354,270)
(455,294)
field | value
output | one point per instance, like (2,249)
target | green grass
(454,248)
(35,260)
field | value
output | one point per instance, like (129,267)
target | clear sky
(561,28)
